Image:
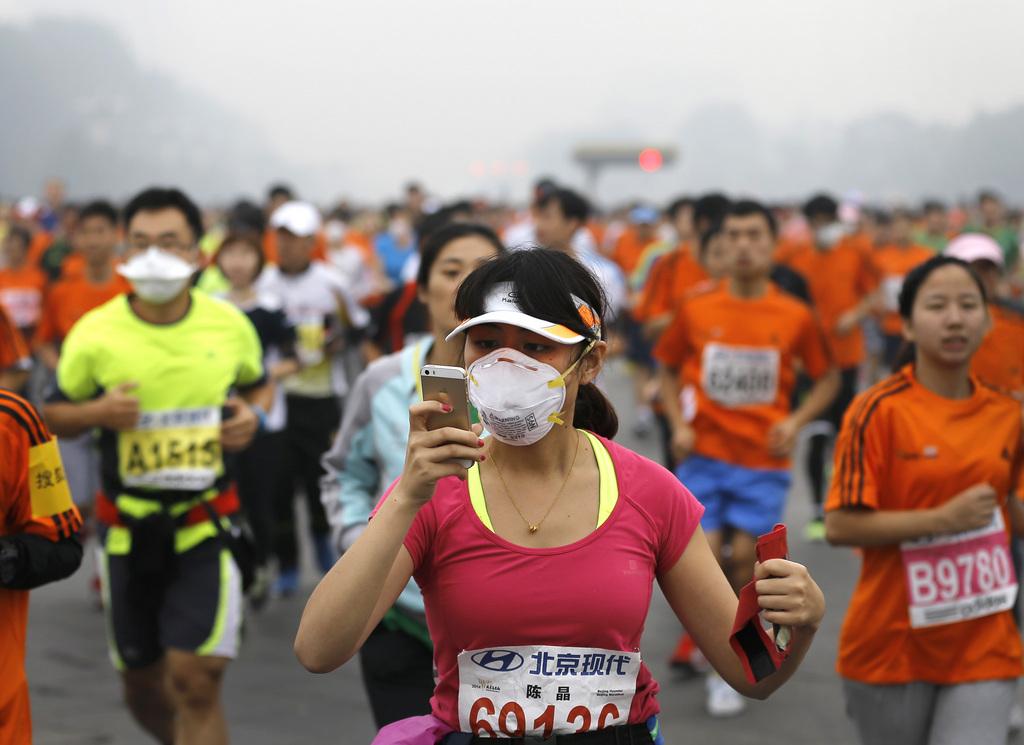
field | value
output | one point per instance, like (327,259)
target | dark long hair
(912,283)
(439,239)
(544,281)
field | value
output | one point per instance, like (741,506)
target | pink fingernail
(446,408)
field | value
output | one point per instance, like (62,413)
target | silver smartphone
(447,385)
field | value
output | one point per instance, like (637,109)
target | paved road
(271,700)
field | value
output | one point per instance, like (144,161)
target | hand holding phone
(447,385)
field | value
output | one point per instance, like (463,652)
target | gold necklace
(533,528)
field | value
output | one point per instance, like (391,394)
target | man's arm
(13,380)
(116,409)
(821,395)
(249,409)
(255,392)
(261,395)
(852,318)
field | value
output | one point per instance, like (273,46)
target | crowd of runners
(174,380)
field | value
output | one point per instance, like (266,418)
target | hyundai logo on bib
(498,660)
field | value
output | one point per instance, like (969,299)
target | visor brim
(552,331)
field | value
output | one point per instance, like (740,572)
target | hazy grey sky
(389,90)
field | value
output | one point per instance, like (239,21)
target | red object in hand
(758,652)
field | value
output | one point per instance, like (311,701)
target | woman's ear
(591,364)
(908,331)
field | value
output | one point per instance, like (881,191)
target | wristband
(759,654)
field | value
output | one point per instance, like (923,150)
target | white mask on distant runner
(156,275)
(829,235)
(519,398)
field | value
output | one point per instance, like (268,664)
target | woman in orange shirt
(926,466)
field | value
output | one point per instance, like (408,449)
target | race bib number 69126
(540,691)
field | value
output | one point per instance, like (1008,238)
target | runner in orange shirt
(641,233)
(999,361)
(71,298)
(679,270)
(38,544)
(15,360)
(704,272)
(22,283)
(894,258)
(95,240)
(652,305)
(679,215)
(926,466)
(733,351)
(843,280)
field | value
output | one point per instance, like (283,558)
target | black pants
(818,444)
(259,470)
(398,674)
(665,436)
(312,423)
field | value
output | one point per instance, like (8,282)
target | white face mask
(829,235)
(519,398)
(156,276)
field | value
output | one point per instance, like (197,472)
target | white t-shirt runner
(320,307)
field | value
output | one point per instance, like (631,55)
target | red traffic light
(649,159)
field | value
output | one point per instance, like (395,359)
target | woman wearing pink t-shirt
(537,563)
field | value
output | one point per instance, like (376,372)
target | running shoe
(723,700)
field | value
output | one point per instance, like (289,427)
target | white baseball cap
(502,306)
(300,218)
(975,247)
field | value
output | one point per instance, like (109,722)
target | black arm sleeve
(28,561)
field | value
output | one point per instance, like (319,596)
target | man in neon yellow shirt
(171,378)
